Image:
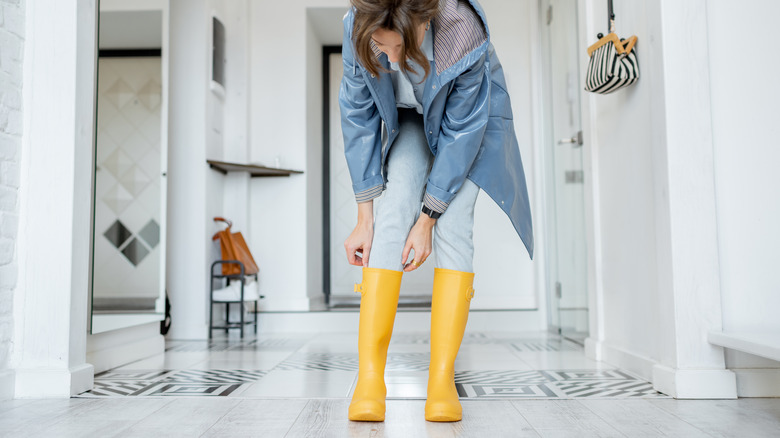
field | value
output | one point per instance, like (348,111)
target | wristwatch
(431,213)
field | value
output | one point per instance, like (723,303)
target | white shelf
(765,344)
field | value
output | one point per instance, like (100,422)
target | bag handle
(610,17)
(221,219)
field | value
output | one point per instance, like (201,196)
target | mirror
(128,259)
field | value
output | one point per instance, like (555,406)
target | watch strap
(432,214)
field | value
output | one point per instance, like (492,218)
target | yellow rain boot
(452,293)
(378,304)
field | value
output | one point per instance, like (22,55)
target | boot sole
(366,416)
(442,418)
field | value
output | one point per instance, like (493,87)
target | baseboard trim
(680,384)
(125,353)
(53,382)
(7,378)
(82,378)
(695,384)
(637,364)
(757,382)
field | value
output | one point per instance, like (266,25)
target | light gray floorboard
(35,415)
(101,418)
(746,417)
(406,418)
(183,417)
(258,418)
(328,418)
(494,418)
(7,405)
(220,416)
(564,418)
(639,418)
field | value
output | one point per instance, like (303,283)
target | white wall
(653,231)
(746,133)
(314,157)
(204,124)
(11,58)
(285,121)
(50,301)
(284,211)
(505,277)
(621,169)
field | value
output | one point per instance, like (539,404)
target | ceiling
(327,24)
(130,30)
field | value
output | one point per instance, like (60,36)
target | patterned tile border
(496,384)
(561,384)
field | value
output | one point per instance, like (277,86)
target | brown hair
(401,16)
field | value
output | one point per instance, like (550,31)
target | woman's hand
(362,235)
(420,241)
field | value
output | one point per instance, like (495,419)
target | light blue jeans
(408,164)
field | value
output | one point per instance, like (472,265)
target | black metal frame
(130,53)
(242,277)
(326,52)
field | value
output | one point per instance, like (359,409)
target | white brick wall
(11,46)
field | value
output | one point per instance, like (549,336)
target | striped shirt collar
(458,30)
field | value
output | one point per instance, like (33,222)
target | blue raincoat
(466,113)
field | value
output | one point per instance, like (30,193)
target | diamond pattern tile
(150,233)
(135,251)
(120,93)
(117,234)
(117,198)
(118,162)
(135,180)
(150,95)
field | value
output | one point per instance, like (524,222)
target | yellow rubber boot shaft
(452,293)
(378,304)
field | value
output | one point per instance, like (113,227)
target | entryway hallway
(299,385)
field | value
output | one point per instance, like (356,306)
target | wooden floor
(230,417)
(299,385)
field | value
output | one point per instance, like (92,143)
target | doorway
(501,280)
(566,276)
(341,208)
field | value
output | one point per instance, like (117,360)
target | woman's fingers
(418,256)
(421,245)
(407,248)
(355,254)
(366,251)
(358,246)
(350,253)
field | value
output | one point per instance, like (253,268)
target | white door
(416,286)
(502,279)
(567,269)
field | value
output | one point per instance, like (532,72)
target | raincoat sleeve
(463,126)
(360,124)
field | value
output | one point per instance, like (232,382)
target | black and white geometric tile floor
(489,366)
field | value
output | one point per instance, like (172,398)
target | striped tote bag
(613,65)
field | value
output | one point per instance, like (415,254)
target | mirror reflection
(128,285)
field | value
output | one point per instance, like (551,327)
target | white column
(687,245)
(187,264)
(50,302)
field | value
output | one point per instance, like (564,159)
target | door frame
(587,22)
(586,31)
(326,52)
